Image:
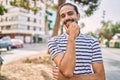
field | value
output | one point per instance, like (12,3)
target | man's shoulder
(58,37)
(88,37)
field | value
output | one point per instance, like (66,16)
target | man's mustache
(72,20)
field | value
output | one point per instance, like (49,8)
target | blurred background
(27,25)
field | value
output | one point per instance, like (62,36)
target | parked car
(17,43)
(5,42)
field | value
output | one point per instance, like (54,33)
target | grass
(39,60)
(3,77)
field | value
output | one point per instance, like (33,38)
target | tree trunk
(57,22)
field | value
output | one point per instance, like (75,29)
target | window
(2,27)
(22,18)
(22,27)
(9,19)
(0,19)
(31,28)
(40,14)
(6,19)
(31,19)
(28,19)
(34,20)
(8,27)
(34,28)
(14,27)
(40,21)
(6,2)
(39,29)
(15,9)
(1,2)
(28,27)
(3,19)
(37,21)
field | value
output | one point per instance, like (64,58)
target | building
(50,17)
(23,24)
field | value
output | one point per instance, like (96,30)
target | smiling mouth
(67,22)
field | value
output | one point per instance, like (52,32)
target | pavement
(19,54)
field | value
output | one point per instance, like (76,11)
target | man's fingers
(55,73)
(56,69)
(66,28)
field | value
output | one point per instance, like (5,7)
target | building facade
(50,17)
(23,24)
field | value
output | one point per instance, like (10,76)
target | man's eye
(70,13)
(62,16)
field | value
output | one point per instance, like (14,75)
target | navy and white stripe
(87,51)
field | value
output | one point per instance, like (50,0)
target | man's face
(68,15)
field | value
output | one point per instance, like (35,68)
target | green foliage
(20,3)
(25,4)
(47,59)
(2,77)
(28,60)
(108,29)
(2,10)
(39,60)
(89,6)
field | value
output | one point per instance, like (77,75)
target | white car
(17,43)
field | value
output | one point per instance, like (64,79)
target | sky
(112,12)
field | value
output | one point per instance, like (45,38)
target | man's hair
(64,4)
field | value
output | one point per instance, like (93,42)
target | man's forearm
(68,62)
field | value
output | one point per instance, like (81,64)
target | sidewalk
(21,55)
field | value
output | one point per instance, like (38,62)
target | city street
(111,57)
(27,50)
(112,63)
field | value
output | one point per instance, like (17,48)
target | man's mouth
(67,22)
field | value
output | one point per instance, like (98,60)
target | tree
(25,4)
(106,30)
(89,6)
(2,10)
(115,28)
(57,22)
(109,29)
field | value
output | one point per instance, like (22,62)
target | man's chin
(67,26)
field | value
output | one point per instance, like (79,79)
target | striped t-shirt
(87,51)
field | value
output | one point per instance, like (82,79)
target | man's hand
(73,30)
(56,73)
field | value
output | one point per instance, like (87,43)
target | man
(77,56)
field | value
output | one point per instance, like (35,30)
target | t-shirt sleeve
(97,53)
(54,48)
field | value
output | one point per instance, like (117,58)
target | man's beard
(72,20)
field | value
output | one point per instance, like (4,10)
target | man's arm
(99,73)
(66,62)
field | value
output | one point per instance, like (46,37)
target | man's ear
(78,16)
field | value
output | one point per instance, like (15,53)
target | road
(27,50)
(111,58)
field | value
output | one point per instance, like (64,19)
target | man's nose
(67,17)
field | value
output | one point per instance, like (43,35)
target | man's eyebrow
(67,12)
